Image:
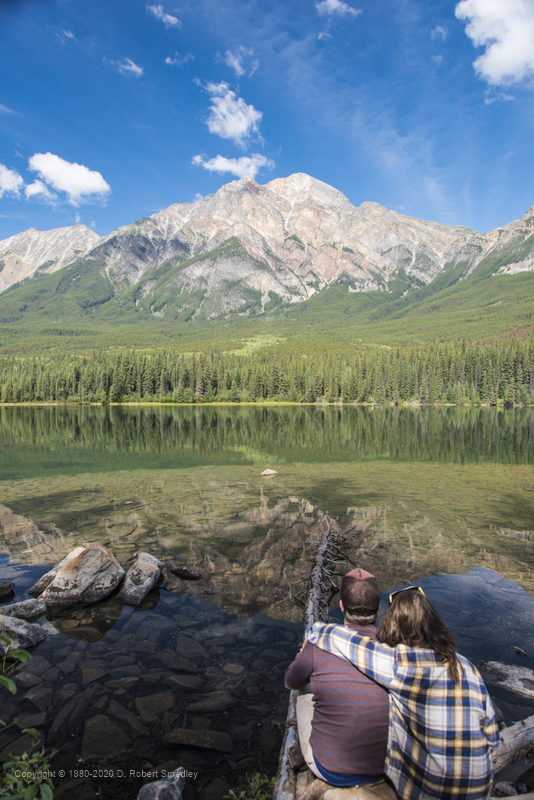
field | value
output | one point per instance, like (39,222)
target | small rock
(153,704)
(140,579)
(234,669)
(518,651)
(26,680)
(6,588)
(268,473)
(37,665)
(213,701)
(25,609)
(102,738)
(31,720)
(69,664)
(40,696)
(186,574)
(170,788)
(172,661)
(22,634)
(126,718)
(188,647)
(189,683)
(504,789)
(92,674)
(208,740)
(126,672)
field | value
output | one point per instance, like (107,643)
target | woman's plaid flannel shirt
(440,732)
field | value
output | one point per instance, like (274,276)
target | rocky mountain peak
(32,251)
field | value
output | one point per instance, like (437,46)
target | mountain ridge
(249,248)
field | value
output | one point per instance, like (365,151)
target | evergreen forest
(461,373)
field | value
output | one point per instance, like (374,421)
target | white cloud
(79,182)
(126,67)
(178,60)
(437,59)
(10,181)
(331,7)
(240,60)
(39,190)
(168,20)
(65,35)
(230,117)
(439,32)
(506,29)
(5,110)
(244,167)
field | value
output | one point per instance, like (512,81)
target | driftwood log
(515,742)
(315,599)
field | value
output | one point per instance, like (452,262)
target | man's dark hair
(360,599)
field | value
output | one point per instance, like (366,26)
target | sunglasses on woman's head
(393,595)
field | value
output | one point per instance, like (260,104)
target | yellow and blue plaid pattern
(440,732)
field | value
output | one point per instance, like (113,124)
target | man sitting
(343,722)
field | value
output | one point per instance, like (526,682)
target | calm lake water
(427,492)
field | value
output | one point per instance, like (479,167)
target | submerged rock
(90,576)
(140,579)
(186,574)
(213,701)
(22,634)
(6,588)
(102,738)
(208,740)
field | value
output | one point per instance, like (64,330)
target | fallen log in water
(289,784)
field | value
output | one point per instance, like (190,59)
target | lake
(426,493)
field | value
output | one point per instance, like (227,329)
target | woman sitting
(442,724)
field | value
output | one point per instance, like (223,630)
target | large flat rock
(90,576)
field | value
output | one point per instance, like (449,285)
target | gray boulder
(88,577)
(46,579)
(22,634)
(24,609)
(140,579)
(170,788)
(6,588)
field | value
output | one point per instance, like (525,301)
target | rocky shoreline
(123,696)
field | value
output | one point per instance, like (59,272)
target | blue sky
(111,110)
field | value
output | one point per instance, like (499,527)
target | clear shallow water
(428,492)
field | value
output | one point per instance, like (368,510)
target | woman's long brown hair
(411,619)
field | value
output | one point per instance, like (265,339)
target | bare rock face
(22,634)
(248,248)
(88,577)
(140,579)
(42,252)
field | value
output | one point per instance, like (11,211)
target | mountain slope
(253,251)
(42,252)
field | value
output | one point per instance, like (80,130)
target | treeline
(447,373)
